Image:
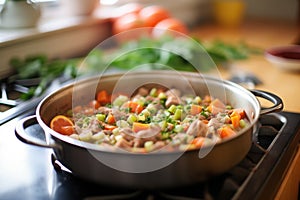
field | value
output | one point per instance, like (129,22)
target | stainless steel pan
(154,170)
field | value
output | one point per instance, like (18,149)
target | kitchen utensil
(165,169)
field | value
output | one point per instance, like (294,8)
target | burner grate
(8,99)
(267,136)
(11,103)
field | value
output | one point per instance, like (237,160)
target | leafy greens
(162,53)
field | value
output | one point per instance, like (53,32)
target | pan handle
(23,136)
(277,101)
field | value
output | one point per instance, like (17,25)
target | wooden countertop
(262,34)
(266,34)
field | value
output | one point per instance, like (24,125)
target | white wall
(273,9)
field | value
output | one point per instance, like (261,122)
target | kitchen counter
(55,37)
(262,34)
(286,84)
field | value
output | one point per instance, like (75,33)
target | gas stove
(29,172)
(11,102)
(258,176)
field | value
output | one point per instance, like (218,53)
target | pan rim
(95,147)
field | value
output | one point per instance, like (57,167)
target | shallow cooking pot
(152,170)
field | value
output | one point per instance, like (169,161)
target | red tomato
(127,22)
(169,24)
(151,15)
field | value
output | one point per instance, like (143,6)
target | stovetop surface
(26,171)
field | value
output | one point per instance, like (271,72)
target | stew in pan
(152,119)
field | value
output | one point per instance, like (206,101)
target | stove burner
(9,98)
(4,99)
(237,183)
(11,103)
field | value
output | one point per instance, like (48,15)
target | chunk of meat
(92,126)
(214,122)
(173,92)
(197,128)
(118,115)
(127,134)
(143,91)
(122,143)
(104,110)
(159,145)
(138,139)
(151,134)
(171,101)
(173,97)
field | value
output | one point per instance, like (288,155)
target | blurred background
(43,42)
(55,16)
(195,11)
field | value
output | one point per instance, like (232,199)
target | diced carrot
(110,119)
(216,106)
(226,132)
(198,141)
(186,127)
(170,126)
(139,109)
(207,99)
(136,126)
(195,109)
(134,107)
(239,111)
(236,116)
(235,113)
(205,121)
(109,127)
(235,121)
(103,97)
